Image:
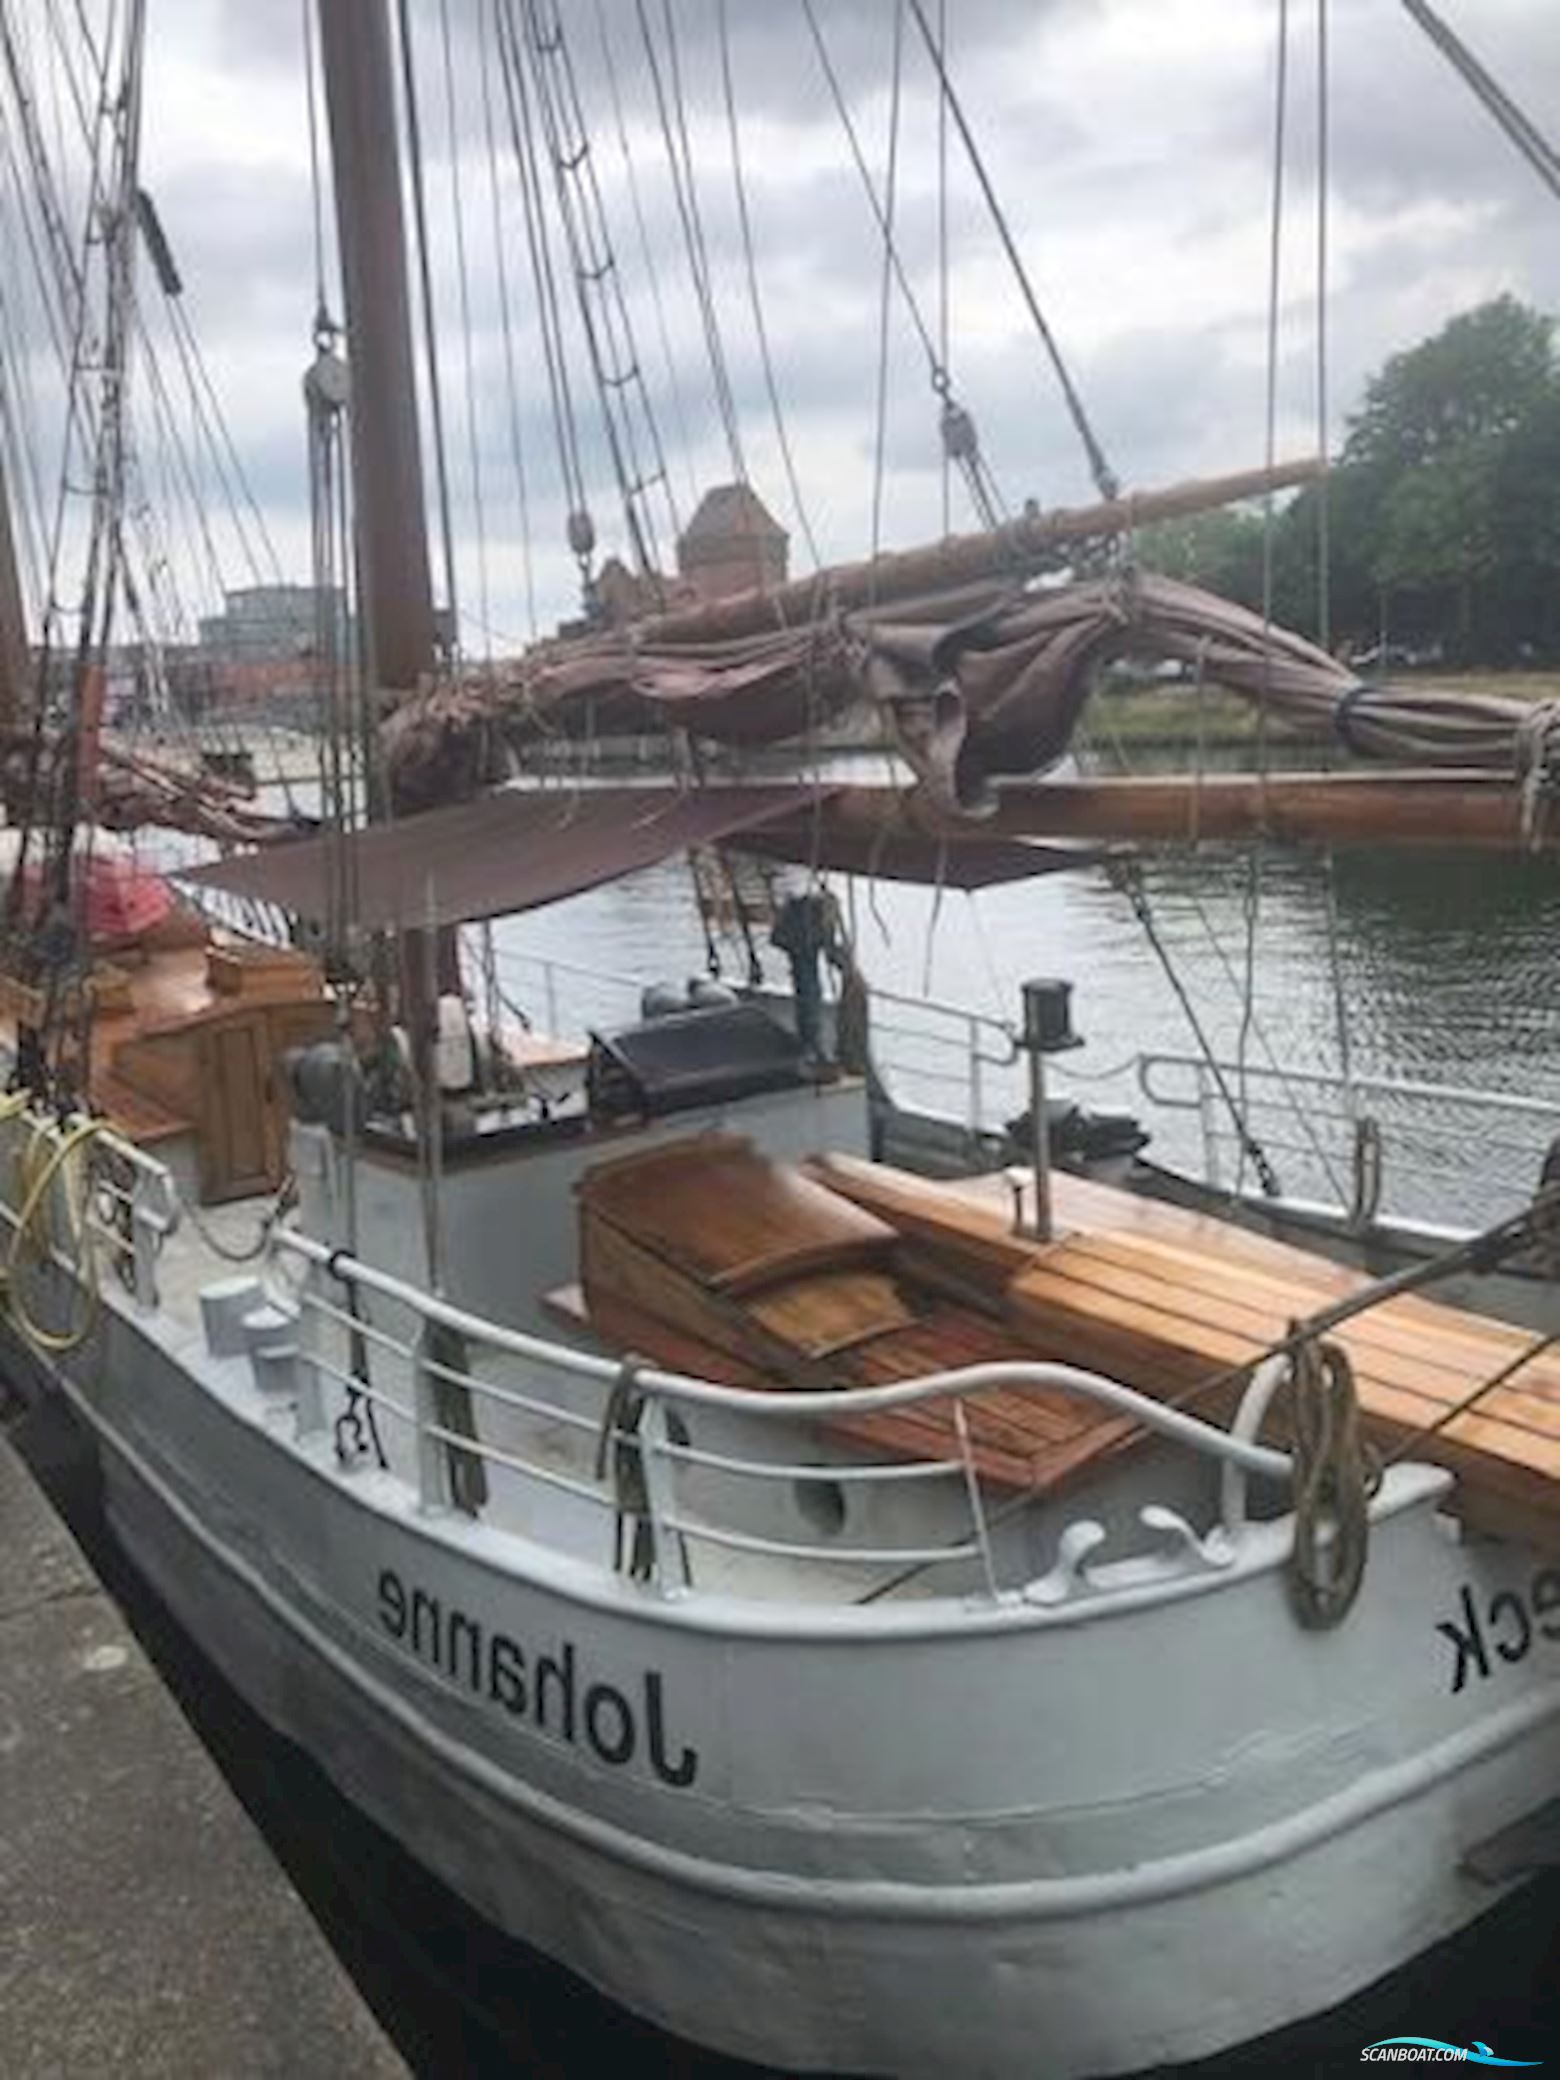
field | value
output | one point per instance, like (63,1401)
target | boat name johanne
(544,1691)
(1508,1624)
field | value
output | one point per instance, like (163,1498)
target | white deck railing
(562,998)
(104,1200)
(943,1058)
(1436,1146)
(638,1420)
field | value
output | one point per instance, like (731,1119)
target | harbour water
(1441,968)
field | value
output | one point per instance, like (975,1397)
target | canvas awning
(519,848)
(515,849)
(890,848)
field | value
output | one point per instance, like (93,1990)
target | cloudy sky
(1130,142)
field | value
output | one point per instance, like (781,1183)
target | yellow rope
(30,1239)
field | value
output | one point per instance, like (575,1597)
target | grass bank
(1158,714)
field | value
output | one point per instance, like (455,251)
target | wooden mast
(394,580)
(15,658)
(395,585)
(387,477)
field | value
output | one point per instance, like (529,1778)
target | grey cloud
(1136,180)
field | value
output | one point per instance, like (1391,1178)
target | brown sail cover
(984,683)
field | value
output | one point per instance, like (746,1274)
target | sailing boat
(858,1623)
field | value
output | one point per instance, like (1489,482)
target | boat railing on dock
(628,1445)
(566,998)
(87,1197)
(935,1053)
(1362,1147)
(1355,1149)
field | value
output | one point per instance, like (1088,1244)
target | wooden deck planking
(1174,1303)
(924,1431)
(1167,1300)
(729,1220)
(1142,1336)
(1178,1290)
(1409,1324)
(709,1257)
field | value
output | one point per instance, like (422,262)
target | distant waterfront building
(265,624)
(733,543)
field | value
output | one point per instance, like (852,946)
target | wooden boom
(1396,808)
(962,559)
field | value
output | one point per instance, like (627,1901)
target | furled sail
(976,685)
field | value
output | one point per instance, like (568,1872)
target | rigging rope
(1410,1444)
(674,132)
(1128,877)
(316,184)
(890,194)
(468,349)
(1323,441)
(1105,479)
(755,300)
(945,468)
(604,313)
(1335,1473)
(1366,1150)
(105,544)
(652,272)
(961,442)
(211,422)
(30,1241)
(1254,862)
(1522,131)
(580,530)
(150,600)
(506,321)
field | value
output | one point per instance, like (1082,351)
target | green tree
(1354,495)
(1220,551)
(1443,514)
(1438,532)
(1473,382)
(1525,499)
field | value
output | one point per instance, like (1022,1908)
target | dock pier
(145,1928)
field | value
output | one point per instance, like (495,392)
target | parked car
(1381,657)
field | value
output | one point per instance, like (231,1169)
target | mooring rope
(1335,1475)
